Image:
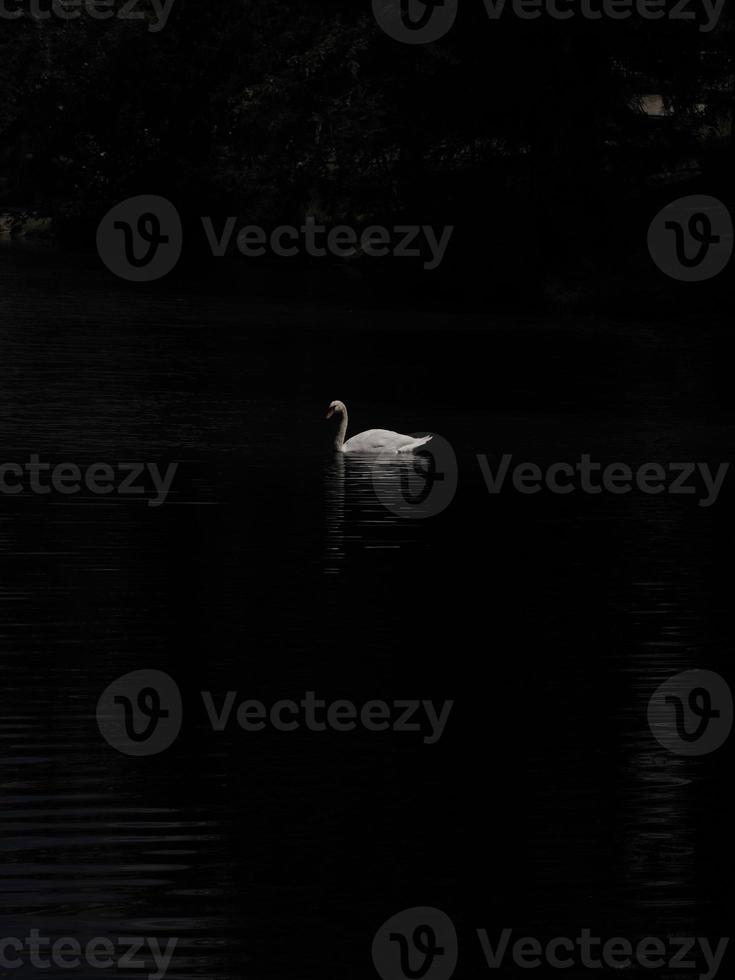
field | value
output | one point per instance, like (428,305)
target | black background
(548,332)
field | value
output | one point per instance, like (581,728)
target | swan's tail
(409,447)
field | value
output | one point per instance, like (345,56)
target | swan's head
(336,407)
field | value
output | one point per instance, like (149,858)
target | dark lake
(273,569)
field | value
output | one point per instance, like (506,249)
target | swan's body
(372,440)
(382,441)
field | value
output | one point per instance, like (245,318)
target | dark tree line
(531,137)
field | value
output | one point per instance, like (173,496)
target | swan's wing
(382,440)
(370,441)
(414,443)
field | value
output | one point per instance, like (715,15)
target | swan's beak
(329,414)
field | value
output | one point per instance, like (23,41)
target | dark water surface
(272,569)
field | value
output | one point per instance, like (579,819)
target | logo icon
(691,713)
(416,944)
(415,21)
(140,239)
(691,239)
(420,484)
(140,713)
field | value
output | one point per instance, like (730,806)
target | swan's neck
(340,439)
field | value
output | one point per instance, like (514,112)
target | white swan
(372,440)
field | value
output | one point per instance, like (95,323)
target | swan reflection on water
(368,498)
